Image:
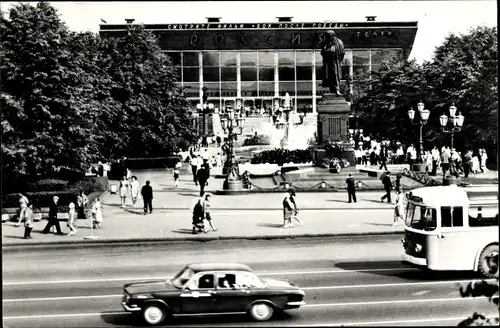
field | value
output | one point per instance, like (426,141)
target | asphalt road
(348,281)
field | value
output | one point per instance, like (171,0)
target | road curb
(202,238)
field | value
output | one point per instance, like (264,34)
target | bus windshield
(420,217)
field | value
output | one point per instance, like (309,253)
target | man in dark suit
(53,220)
(147,197)
(203,175)
(386,181)
(351,188)
(383,157)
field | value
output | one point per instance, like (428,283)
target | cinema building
(255,64)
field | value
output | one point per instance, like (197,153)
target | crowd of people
(446,160)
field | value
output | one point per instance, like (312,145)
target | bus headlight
(418,248)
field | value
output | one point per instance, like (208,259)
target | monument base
(333,119)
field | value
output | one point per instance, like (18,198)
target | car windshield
(420,217)
(182,277)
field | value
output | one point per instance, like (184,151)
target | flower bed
(281,156)
(257,140)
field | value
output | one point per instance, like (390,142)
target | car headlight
(126,297)
(143,296)
(418,248)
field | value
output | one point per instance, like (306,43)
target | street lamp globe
(198,106)
(211,106)
(205,106)
(424,114)
(360,131)
(411,114)
(443,119)
(460,120)
(223,122)
(453,110)
(420,106)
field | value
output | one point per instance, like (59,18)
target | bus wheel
(488,261)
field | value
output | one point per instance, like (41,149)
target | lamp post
(230,122)
(457,121)
(204,109)
(424,117)
(195,117)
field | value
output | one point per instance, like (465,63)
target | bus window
(421,217)
(452,216)
(483,215)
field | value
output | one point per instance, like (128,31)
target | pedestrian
(428,161)
(218,139)
(53,220)
(177,173)
(383,157)
(124,185)
(206,211)
(400,155)
(23,204)
(435,159)
(82,202)
(134,190)
(398,181)
(197,222)
(398,208)
(97,217)
(288,211)
(484,157)
(351,188)
(193,161)
(412,155)
(467,163)
(147,197)
(293,200)
(366,155)
(475,164)
(386,181)
(445,161)
(203,174)
(72,215)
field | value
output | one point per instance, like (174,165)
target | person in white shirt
(134,190)
(412,155)
(399,207)
(400,155)
(219,160)
(193,161)
(206,155)
(484,157)
(435,159)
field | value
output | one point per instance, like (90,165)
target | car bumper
(413,261)
(294,305)
(130,308)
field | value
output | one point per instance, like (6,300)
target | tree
(463,71)
(45,126)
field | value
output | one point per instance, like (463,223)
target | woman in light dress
(134,190)
(484,157)
(177,173)
(97,218)
(475,164)
(124,185)
(72,214)
(398,208)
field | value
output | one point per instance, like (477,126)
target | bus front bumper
(413,261)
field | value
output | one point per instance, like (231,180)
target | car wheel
(261,311)
(488,261)
(154,314)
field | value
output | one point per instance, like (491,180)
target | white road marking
(61,298)
(422,292)
(47,316)
(279,273)
(388,322)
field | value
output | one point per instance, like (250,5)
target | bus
(449,228)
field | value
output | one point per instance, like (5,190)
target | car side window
(227,281)
(206,281)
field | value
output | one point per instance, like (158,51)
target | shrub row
(152,163)
(282,156)
(257,140)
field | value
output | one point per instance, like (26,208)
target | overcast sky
(436,19)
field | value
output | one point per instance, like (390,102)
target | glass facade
(258,76)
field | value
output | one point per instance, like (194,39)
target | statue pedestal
(333,118)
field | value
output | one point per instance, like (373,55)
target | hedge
(281,156)
(152,163)
(257,140)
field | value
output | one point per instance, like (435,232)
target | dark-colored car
(211,288)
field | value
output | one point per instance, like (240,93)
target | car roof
(199,267)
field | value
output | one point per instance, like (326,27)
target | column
(276,75)
(238,75)
(200,60)
(314,81)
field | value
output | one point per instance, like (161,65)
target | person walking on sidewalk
(82,202)
(383,156)
(27,218)
(435,159)
(147,197)
(288,211)
(351,188)
(177,173)
(197,222)
(134,190)
(193,161)
(53,220)
(483,158)
(293,200)
(206,212)
(398,208)
(203,174)
(386,181)
(71,219)
(124,185)
(97,217)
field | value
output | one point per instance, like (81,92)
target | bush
(90,184)
(41,199)
(152,163)
(257,140)
(282,156)
(48,185)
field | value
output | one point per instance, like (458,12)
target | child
(177,172)
(71,219)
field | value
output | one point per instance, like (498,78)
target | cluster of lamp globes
(456,120)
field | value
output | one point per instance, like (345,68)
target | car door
(198,295)
(233,295)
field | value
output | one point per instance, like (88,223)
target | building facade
(254,65)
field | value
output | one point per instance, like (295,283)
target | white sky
(436,19)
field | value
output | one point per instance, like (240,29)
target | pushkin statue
(333,54)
